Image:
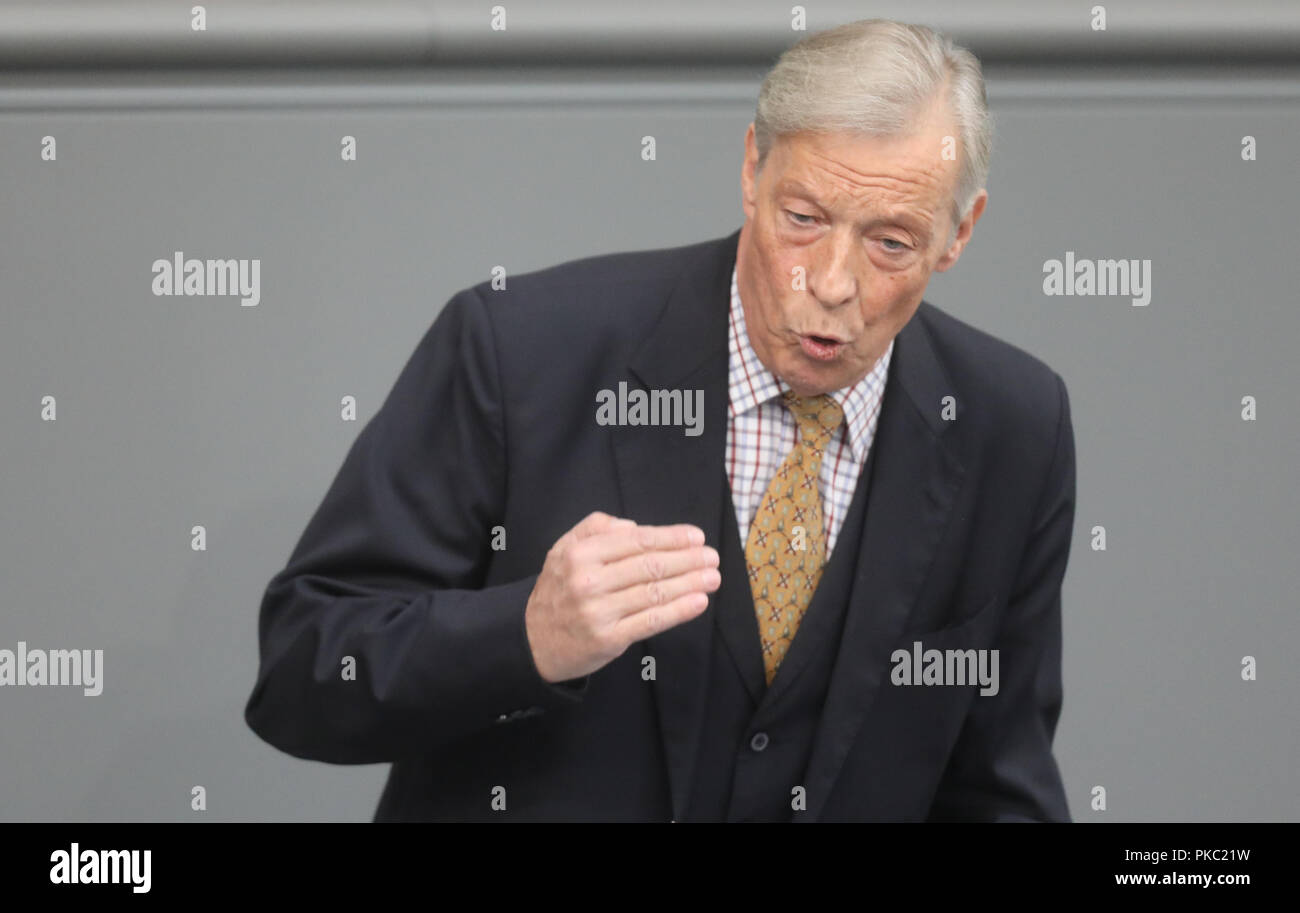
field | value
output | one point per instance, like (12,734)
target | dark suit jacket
(490,428)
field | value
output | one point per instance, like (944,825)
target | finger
(654,565)
(655,620)
(599,524)
(643,597)
(593,524)
(621,542)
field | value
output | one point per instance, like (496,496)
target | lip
(821,348)
(831,336)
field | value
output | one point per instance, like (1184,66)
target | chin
(807,380)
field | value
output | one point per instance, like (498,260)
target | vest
(757,738)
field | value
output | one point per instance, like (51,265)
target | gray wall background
(525,152)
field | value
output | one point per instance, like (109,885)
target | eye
(893,250)
(796,216)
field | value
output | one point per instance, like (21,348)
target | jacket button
(759,741)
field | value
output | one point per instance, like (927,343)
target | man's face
(868,219)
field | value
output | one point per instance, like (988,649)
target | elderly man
(834,594)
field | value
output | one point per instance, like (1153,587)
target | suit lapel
(735,606)
(914,482)
(668,477)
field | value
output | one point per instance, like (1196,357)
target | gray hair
(869,77)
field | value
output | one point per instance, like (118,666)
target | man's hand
(608,583)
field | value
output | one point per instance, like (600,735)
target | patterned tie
(786,549)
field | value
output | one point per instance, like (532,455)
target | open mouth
(822,348)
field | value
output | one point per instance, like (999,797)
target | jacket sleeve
(377,640)
(1002,767)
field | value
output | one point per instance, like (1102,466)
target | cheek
(896,291)
(889,303)
(787,272)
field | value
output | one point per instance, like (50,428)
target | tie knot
(818,416)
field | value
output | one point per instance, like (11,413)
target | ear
(749,174)
(963,233)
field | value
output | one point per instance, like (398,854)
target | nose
(830,276)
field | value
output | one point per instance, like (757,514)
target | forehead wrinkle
(857,183)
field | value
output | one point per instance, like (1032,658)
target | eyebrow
(791,186)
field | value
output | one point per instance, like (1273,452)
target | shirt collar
(750,384)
